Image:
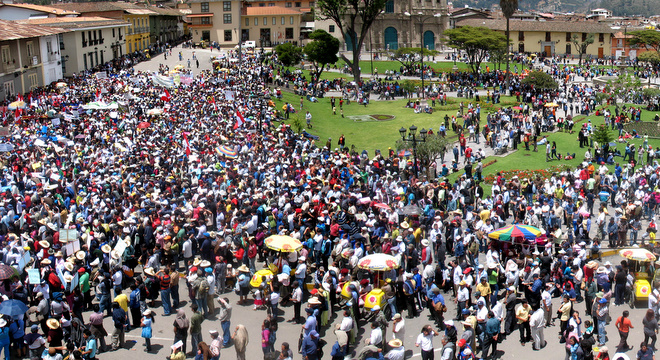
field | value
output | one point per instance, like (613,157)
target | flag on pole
(165,96)
(215,106)
(187,145)
(240,119)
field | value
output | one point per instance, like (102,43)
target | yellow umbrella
(551,104)
(283,243)
(257,278)
(16,105)
(179,67)
(637,254)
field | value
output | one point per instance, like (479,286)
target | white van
(248,45)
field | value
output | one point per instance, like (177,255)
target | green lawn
(566,143)
(445,66)
(370,135)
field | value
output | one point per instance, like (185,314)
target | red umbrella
(143,125)
(382,206)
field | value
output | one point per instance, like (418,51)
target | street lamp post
(412,139)
(422,20)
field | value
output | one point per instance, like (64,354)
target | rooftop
(530,25)
(12,30)
(46,9)
(72,23)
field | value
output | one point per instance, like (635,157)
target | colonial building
(551,38)
(90,40)
(32,11)
(27,55)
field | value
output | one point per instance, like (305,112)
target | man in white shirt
(537,323)
(296,297)
(546,303)
(376,338)
(425,342)
(397,351)
(462,296)
(301,272)
(398,327)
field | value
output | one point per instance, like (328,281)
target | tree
(353,18)
(477,42)
(602,135)
(624,85)
(288,54)
(540,81)
(321,51)
(427,151)
(649,39)
(650,57)
(408,57)
(581,46)
(508,8)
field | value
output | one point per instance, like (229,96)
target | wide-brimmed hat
(314,301)
(425,242)
(243,268)
(106,248)
(149,271)
(80,255)
(404,225)
(592,264)
(205,263)
(395,343)
(67,277)
(115,254)
(52,226)
(601,270)
(44,244)
(52,324)
(68,266)
(197,261)
(146,312)
(46,262)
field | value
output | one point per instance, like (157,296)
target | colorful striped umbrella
(515,231)
(227,151)
(378,262)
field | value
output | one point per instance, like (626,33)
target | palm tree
(508,8)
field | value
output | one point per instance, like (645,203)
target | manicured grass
(369,135)
(566,143)
(445,66)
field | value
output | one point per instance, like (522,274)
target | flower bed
(544,173)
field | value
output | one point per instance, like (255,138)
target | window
(227,35)
(389,7)
(288,4)
(274,20)
(84,43)
(262,4)
(584,36)
(601,37)
(256,21)
(282,20)
(568,37)
(9,88)
(619,43)
(49,47)
(289,33)
(548,36)
(102,60)
(226,18)
(521,47)
(206,21)
(298,4)
(568,49)
(226,6)
(247,22)
(100,37)
(206,35)
(521,36)
(30,49)
(33,79)
(291,20)
(85,58)
(204,7)
(271,4)
(61,38)
(311,4)
(6,57)
(265,21)
(113,32)
(331,28)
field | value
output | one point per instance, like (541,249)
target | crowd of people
(107,207)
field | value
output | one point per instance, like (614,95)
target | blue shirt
(309,346)
(91,345)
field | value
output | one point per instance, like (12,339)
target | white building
(50,58)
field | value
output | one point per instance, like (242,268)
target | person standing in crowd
(425,342)
(145,324)
(195,326)
(181,326)
(225,320)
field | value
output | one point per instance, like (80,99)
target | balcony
(202,22)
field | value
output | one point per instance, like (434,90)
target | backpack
(203,287)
